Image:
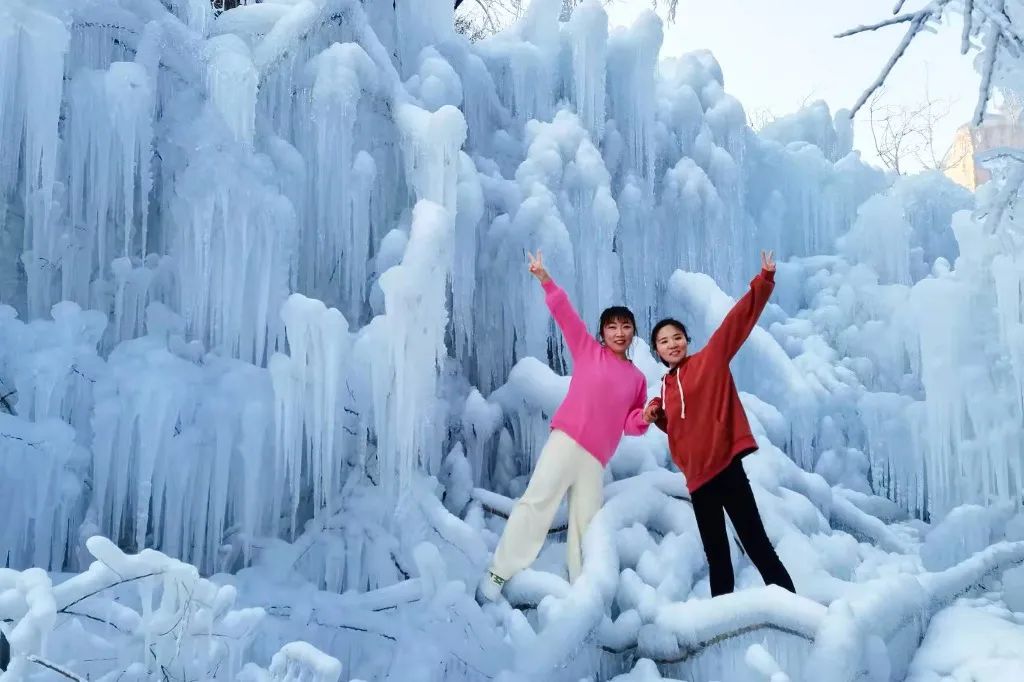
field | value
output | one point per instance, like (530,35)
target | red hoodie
(706,425)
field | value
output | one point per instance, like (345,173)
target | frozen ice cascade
(272,369)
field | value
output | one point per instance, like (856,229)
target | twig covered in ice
(55,668)
(965,35)
(992,43)
(881,24)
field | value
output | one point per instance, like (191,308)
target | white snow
(970,644)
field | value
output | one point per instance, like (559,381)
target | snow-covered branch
(917,22)
(1001,35)
(882,24)
(55,668)
(882,608)
(183,621)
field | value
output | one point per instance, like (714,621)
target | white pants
(563,465)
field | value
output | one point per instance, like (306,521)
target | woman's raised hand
(537,267)
(768,261)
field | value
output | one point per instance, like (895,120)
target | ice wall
(305,225)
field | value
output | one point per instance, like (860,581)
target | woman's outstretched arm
(737,325)
(577,337)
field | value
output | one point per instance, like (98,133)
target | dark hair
(617,313)
(667,322)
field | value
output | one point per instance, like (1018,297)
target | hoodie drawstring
(682,398)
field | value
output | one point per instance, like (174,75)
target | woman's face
(618,335)
(671,345)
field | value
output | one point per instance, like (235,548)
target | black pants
(730,492)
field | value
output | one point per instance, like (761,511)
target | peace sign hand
(537,267)
(768,261)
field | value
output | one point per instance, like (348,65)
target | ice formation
(264,310)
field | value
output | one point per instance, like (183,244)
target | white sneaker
(490,587)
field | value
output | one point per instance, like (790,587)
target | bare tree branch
(931,115)
(92,617)
(482,18)
(6,403)
(903,132)
(64,609)
(759,118)
(491,24)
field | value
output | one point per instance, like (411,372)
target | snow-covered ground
(273,371)
(975,639)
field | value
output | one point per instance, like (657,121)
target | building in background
(1001,128)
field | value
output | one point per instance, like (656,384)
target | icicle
(336,248)
(526,57)
(472,205)
(198,15)
(41,474)
(232,81)
(420,24)
(171,447)
(589,30)
(632,59)
(108,174)
(234,251)
(358,236)
(309,401)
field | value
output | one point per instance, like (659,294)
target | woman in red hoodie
(708,434)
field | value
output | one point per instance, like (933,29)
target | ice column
(407,417)
(33,44)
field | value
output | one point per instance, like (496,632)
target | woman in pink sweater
(606,398)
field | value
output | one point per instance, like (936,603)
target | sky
(777,54)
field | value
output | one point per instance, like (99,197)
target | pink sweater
(606,394)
